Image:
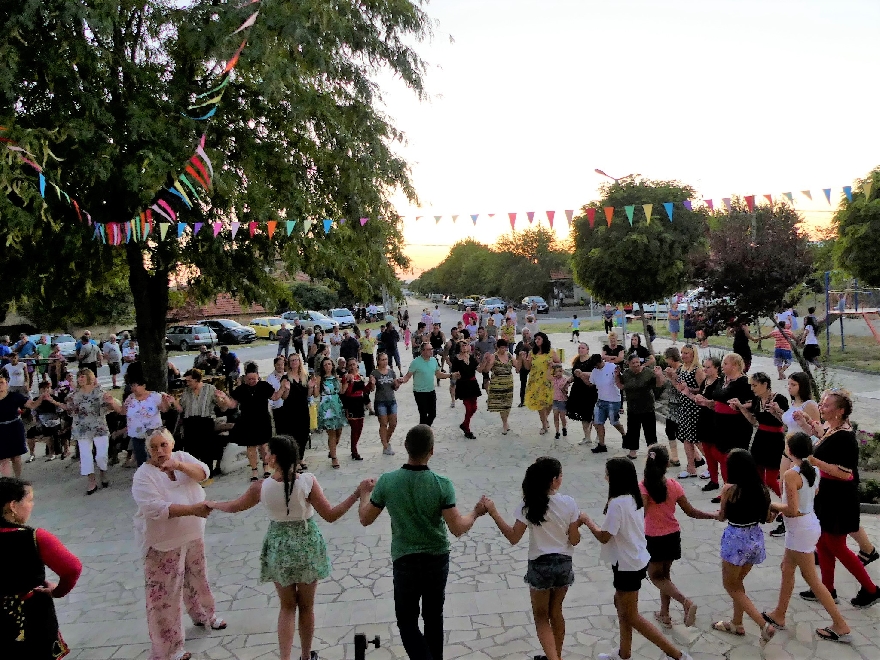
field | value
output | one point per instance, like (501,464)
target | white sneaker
(684,474)
(388,451)
(705,475)
(613,656)
(585,441)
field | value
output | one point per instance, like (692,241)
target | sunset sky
(732,97)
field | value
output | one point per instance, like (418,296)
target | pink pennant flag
(750,202)
(218,227)
(769,198)
(710,204)
(252,228)
(454,218)
(807,194)
(270,227)
(550,216)
(248,23)
(491,215)
(569,214)
(726,201)
(531,216)
(364,221)
(512,217)
(419,217)
(591,217)
(167,207)
(32,164)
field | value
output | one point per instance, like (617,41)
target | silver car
(311,319)
(183,337)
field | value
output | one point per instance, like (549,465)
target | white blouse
(154,492)
(272,497)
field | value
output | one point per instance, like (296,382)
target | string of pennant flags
(197,174)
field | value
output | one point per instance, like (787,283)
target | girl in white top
(553,521)
(294,554)
(624,547)
(799,486)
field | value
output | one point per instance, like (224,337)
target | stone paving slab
(487,607)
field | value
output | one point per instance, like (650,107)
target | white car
(343,317)
(312,319)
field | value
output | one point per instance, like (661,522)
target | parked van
(437,298)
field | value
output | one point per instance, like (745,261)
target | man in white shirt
(435,316)
(789,318)
(511,314)
(113,358)
(608,405)
(498,317)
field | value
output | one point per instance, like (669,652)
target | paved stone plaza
(487,606)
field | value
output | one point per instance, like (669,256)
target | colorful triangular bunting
(328,223)
(629,208)
(163,229)
(569,214)
(827,192)
(750,202)
(807,194)
(648,209)
(591,217)
(609,214)
(512,217)
(668,207)
(233,228)
(847,190)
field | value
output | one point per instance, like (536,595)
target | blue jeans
(139,445)
(421,577)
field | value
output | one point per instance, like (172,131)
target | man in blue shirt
(4,350)
(425,369)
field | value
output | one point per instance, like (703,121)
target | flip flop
(690,614)
(830,636)
(216,624)
(767,632)
(769,620)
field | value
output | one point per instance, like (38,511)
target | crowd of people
(739,437)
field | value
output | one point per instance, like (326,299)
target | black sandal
(92,491)
(335,464)
(254,476)
(830,636)
(868,557)
(105,484)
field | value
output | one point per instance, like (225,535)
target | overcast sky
(730,96)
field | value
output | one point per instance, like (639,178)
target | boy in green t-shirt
(421,504)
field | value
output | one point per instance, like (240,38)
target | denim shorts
(552,571)
(607,410)
(384,408)
(743,545)
(781,356)
(559,405)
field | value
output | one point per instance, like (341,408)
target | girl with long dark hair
(624,547)
(553,522)
(663,533)
(294,554)
(354,392)
(331,417)
(745,505)
(295,417)
(802,531)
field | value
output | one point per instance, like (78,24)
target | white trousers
(86,463)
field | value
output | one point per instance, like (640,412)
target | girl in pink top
(560,383)
(663,533)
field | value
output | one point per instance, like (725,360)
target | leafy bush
(869,450)
(869,491)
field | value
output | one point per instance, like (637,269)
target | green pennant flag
(629,213)
(289,225)
(163,229)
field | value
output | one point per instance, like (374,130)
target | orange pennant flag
(609,213)
(270,226)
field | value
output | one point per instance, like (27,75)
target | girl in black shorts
(624,547)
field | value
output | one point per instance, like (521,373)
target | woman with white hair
(170,530)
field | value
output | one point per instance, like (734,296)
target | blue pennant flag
(668,207)
(327,224)
(42,186)
(847,190)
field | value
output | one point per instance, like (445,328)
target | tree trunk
(648,343)
(150,292)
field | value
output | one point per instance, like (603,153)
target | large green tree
(645,261)
(857,249)
(97,92)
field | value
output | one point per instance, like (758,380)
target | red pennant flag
(769,198)
(550,216)
(609,213)
(150,218)
(271,227)
(591,217)
(531,216)
(569,214)
(252,228)
(750,201)
(512,217)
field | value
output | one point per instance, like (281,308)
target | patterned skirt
(500,393)
(294,552)
(330,413)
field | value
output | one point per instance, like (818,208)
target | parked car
(543,307)
(185,336)
(464,303)
(436,298)
(654,310)
(489,305)
(343,317)
(267,326)
(451,300)
(311,318)
(229,331)
(67,344)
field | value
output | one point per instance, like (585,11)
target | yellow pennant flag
(648,208)
(163,229)
(866,188)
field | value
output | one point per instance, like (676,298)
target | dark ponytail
(655,473)
(800,446)
(286,454)
(536,488)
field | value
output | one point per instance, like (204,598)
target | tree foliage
(96,91)
(518,265)
(643,262)
(857,250)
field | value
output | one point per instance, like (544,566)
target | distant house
(224,306)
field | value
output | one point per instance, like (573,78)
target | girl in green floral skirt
(294,554)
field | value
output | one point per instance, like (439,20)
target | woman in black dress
(253,428)
(464,368)
(706,434)
(636,348)
(583,395)
(836,456)
(765,412)
(295,411)
(12,436)
(741,346)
